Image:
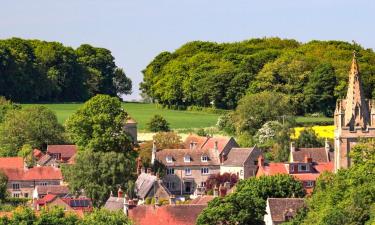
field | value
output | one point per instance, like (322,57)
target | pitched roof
(202,200)
(238,156)
(206,143)
(66,151)
(35,173)
(280,206)
(52,189)
(195,157)
(11,162)
(317,154)
(37,153)
(46,159)
(165,215)
(144,183)
(114,203)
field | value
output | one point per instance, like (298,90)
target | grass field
(143,112)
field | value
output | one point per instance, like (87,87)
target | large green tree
(3,186)
(104,217)
(35,125)
(99,126)
(247,204)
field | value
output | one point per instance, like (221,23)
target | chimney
(120,193)
(139,165)
(216,148)
(111,194)
(172,200)
(327,148)
(260,161)
(292,150)
(308,159)
(126,206)
(222,158)
(153,153)
(157,203)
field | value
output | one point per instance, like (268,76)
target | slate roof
(144,183)
(45,160)
(66,151)
(195,157)
(317,154)
(52,189)
(11,163)
(114,203)
(280,206)
(238,156)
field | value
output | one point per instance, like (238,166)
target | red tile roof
(37,153)
(35,173)
(202,200)
(66,151)
(11,163)
(206,143)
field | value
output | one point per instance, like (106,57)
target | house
(241,161)
(319,155)
(58,190)
(77,205)
(61,153)
(148,185)
(281,210)
(307,171)
(187,169)
(47,160)
(354,118)
(131,129)
(22,181)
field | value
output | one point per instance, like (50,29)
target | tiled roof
(144,183)
(37,153)
(11,162)
(114,203)
(202,200)
(52,189)
(206,143)
(44,160)
(165,215)
(195,157)
(238,156)
(35,173)
(66,151)
(317,154)
(279,207)
(46,199)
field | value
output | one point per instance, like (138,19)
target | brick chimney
(260,161)
(119,193)
(308,159)
(153,153)
(139,165)
(327,148)
(126,205)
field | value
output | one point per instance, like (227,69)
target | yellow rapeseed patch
(321,131)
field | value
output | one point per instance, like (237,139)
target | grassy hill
(143,112)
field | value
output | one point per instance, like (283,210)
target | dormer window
(187,158)
(204,158)
(303,168)
(169,159)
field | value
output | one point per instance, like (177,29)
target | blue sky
(136,31)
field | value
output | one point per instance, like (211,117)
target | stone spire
(356,109)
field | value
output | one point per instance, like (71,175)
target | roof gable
(280,206)
(66,151)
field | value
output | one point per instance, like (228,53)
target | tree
(157,124)
(26,153)
(122,83)
(99,173)
(104,217)
(248,203)
(254,110)
(319,90)
(36,126)
(99,126)
(5,106)
(308,139)
(56,216)
(3,186)
(215,180)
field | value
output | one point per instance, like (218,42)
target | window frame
(169,159)
(16,185)
(205,171)
(188,174)
(187,158)
(204,158)
(170,171)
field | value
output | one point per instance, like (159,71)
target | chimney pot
(120,193)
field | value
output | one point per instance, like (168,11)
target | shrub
(157,124)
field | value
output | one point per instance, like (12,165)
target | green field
(143,112)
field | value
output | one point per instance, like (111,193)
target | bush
(148,201)
(158,124)
(226,123)
(201,132)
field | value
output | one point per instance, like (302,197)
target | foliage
(49,71)
(104,217)
(3,186)
(99,173)
(5,106)
(268,131)
(256,109)
(99,126)
(248,203)
(207,74)
(158,124)
(215,180)
(36,126)
(226,123)
(308,139)
(201,132)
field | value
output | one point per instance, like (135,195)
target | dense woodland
(313,74)
(36,71)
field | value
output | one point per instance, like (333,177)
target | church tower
(354,118)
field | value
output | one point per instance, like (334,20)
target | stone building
(354,118)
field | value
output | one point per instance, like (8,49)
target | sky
(138,30)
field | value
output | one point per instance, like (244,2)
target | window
(170,171)
(291,166)
(169,159)
(204,170)
(16,186)
(309,183)
(241,172)
(187,171)
(16,195)
(170,185)
(303,167)
(26,195)
(43,184)
(204,158)
(203,184)
(187,158)
(56,156)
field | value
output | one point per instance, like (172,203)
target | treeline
(40,71)
(313,74)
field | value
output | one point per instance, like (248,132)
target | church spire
(356,110)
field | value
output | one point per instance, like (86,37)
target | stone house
(241,161)
(280,210)
(318,155)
